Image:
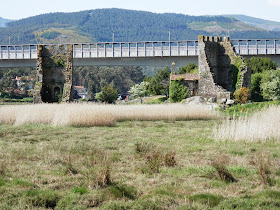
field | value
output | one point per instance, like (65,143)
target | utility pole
(9,39)
(169,34)
(113,35)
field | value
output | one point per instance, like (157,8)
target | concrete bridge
(153,53)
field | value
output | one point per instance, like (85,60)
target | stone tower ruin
(218,64)
(54,74)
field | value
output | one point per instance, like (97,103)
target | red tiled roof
(187,77)
(79,86)
(23,77)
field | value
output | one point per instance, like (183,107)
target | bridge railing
(144,49)
(257,46)
(18,52)
(136,49)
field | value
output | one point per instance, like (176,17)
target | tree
(160,83)
(139,90)
(259,65)
(270,85)
(7,83)
(107,95)
(177,91)
(260,68)
(189,68)
(256,93)
(122,77)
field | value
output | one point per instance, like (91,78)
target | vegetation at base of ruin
(129,25)
(165,164)
(236,68)
(270,85)
(249,108)
(261,68)
(241,95)
(177,90)
(190,68)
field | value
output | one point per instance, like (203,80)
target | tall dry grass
(98,115)
(262,126)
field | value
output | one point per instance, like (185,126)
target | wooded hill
(128,25)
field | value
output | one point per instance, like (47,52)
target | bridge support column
(54,74)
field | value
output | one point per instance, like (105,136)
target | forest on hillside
(128,25)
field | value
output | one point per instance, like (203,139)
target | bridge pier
(54,74)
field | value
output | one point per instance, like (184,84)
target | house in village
(189,80)
(80,92)
(21,81)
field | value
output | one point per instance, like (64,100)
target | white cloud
(274,2)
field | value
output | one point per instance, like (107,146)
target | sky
(265,9)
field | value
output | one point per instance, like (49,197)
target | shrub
(177,91)
(220,165)
(69,168)
(155,157)
(144,148)
(264,169)
(270,85)
(242,95)
(99,174)
(103,177)
(255,87)
(107,95)
(169,159)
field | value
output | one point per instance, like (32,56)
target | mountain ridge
(128,25)
(4,21)
(257,22)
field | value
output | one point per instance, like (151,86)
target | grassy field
(159,164)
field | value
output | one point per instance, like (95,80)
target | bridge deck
(142,49)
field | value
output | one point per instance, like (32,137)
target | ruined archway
(56,94)
(54,74)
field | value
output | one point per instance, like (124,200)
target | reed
(98,115)
(261,126)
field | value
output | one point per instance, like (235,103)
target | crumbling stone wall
(54,74)
(216,59)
